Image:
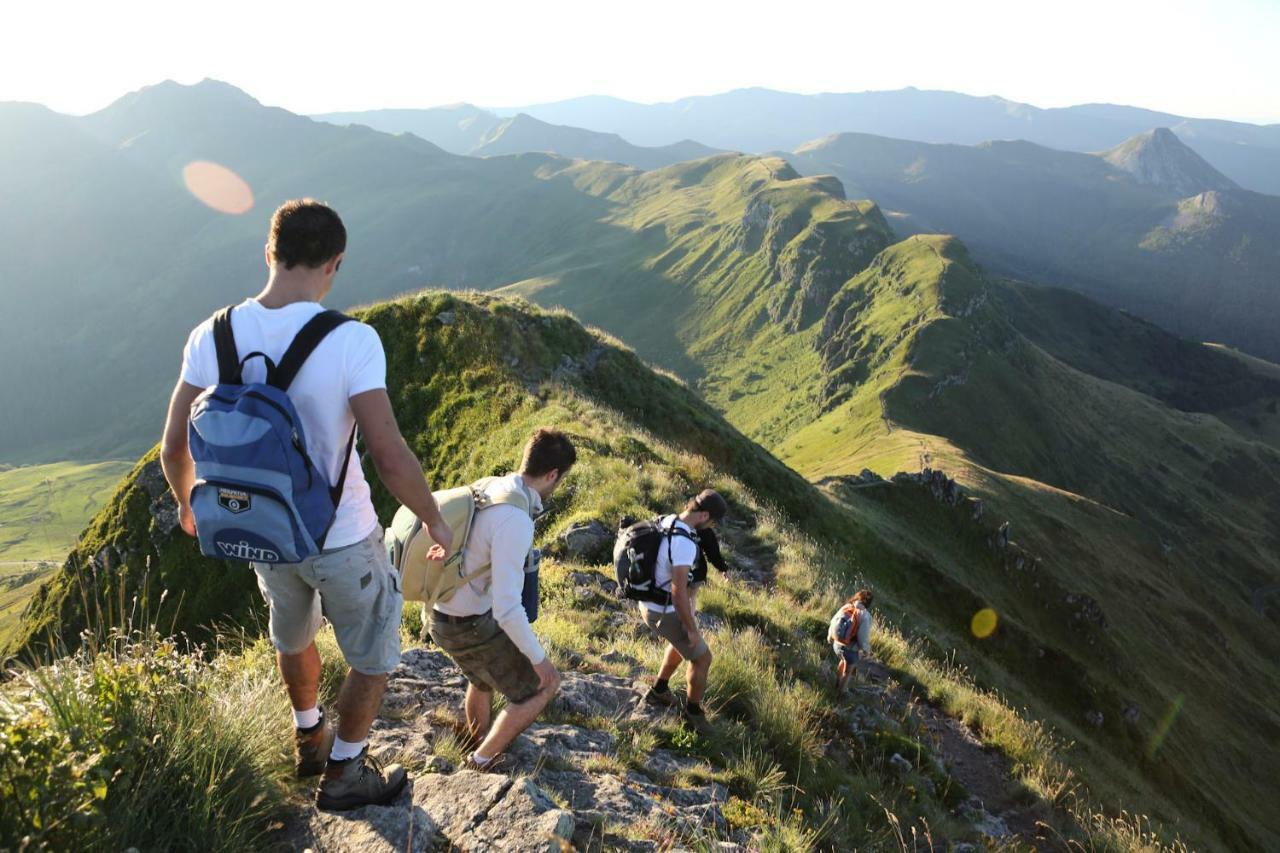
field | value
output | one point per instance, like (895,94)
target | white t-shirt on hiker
(501,537)
(349,361)
(683,552)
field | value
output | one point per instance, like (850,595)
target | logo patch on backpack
(233,500)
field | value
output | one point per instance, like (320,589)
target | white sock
(342,750)
(479,759)
(306,719)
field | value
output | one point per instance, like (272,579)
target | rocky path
(567,786)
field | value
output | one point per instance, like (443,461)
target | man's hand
(548,677)
(186,519)
(442,535)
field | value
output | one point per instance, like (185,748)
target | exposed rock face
(1159,158)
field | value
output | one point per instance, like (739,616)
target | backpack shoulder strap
(304,343)
(224,341)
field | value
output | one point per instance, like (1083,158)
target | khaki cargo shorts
(354,587)
(669,627)
(486,656)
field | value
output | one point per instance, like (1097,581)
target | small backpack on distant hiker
(258,497)
(847,627)
(635,558)
(408,541)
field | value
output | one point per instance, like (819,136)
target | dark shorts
(486,656)
(849,652)
(669,627)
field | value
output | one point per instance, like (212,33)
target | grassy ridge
(43,508)
(500,368)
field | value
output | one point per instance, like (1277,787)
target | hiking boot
(359,781)
(311,748)
(500,763)
(664,698)
(698,722)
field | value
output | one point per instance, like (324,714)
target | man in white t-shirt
(340,385)
(676,622)
(483,627)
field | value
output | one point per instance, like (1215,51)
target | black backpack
(635,559)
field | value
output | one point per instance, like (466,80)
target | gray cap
(709,501)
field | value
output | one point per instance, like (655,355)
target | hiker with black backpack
(850,634)
(476,596)
(655,561)
(258,450)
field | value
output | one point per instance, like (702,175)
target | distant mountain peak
(1159,158)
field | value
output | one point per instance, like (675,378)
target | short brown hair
(548,450)
(863,595)
(710,502)
(305,231)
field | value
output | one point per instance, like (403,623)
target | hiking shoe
(359,781)
(311,748)
(500,763)
(664,699)
(698,722)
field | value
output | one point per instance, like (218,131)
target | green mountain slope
(1149,226)
(470,376)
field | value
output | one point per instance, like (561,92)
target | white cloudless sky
(1217,59)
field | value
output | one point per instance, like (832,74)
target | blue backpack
(258,496)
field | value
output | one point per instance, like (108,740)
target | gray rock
(425,680)
(664,762)
(398,827)
(589,541)
(900,764)
(558,746)
(1094,718)
(489,811)
(1131,713)
(597,694)
(447,318)
(630,799)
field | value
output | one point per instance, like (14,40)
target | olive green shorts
(486,656)
(669,627)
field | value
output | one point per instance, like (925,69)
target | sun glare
(218,187)
(984,623)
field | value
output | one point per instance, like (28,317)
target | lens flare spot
(218,187)
(983,624)
(1162,727)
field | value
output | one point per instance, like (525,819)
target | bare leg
(301,674)
(514,719)
(670,663)
(358,704)
(698,670)
(842,675)
(478,707)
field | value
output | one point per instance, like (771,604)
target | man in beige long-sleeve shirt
(484,627)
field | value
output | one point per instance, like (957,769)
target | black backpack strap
(304,343)
(224,340)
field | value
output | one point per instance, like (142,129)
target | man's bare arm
(399,470)
(175,455)
(680,600)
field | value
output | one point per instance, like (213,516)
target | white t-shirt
(501,536)
(347,362)
(683,552)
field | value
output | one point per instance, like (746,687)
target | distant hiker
(655,562)
(850,633)
(483,625)
(258,451)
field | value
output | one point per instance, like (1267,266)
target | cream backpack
(408,541)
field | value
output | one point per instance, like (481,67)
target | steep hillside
(464,129)
(790,766)
(1112,496)
(763,120)
(1149,227)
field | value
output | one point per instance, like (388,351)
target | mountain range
(969,441)
(1147,226)
(464,129)
(758,120)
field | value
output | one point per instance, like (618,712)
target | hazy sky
(1217,59)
